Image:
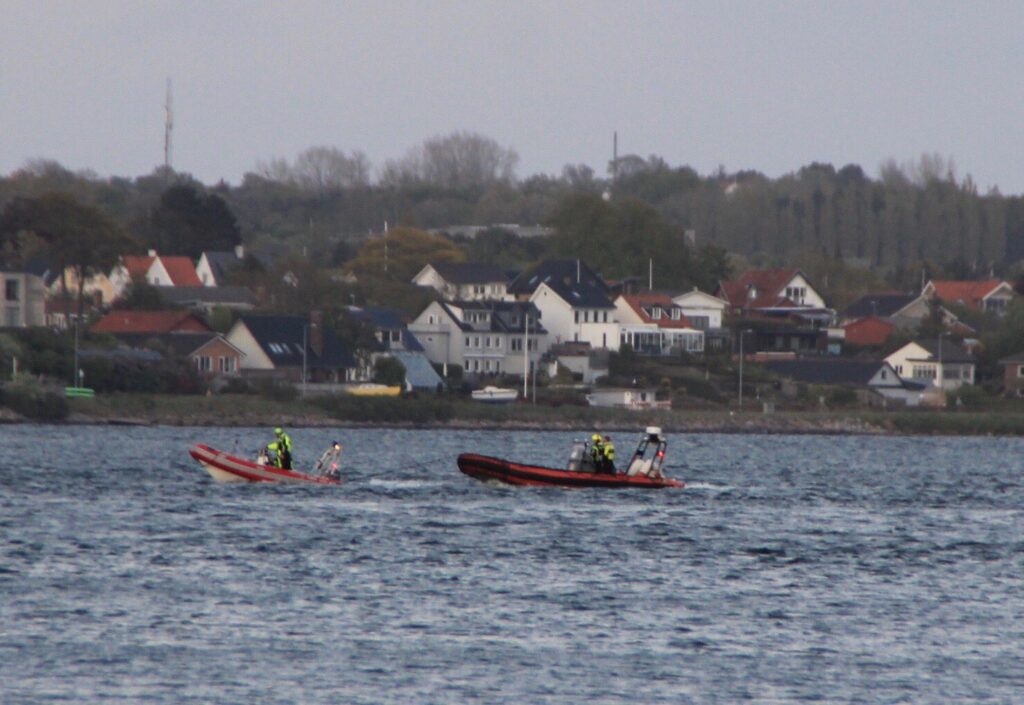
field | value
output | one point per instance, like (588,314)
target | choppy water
(792,569)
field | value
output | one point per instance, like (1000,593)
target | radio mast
(168,128)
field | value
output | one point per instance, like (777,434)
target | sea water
(791,569)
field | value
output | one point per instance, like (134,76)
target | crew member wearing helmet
(283,446)
(596,452)
(330,462)
(608,464)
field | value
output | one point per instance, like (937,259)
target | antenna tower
(168,127)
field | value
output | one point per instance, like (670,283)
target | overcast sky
(770,86)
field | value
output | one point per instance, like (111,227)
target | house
(875,377)
(483,337)
(125,321)
(130,268)
(1013,374)
(394,340)
(574,303)
(283,347)
(940,364)
(172,271)
(904,311)
(989,296)
(626,398)
(584,363)
(703,311)
(868,332)
(210,352)
(213,266)
(770,291)
(465,281)
(24,302)
(97,286)
(652,324)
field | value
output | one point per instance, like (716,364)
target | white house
(24,299)
(633,399)
(704,311)
(768,290)
(940,364)
(578,314)
(465,281)
(483,337)
(213,267)
(652,324)
(990,296)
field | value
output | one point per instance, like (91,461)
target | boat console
(649,464)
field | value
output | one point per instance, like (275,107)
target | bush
(389,371)
(276,390)
(34,402)
(968,397)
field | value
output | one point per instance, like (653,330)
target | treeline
(325,202)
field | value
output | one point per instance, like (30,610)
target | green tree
(399,254)
(187,222)
(389,371)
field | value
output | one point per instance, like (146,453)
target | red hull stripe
(483,467)
(248,470)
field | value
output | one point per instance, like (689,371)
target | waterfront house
(1013,374)
(989,296)
(643,399)
(941,364)
(465,281)
(282,347)
(393,339)
(483,337)
(870,332)
(24,299)
(653,324)
(130,321)
(210,352)
(876,381)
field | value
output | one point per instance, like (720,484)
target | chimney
(240,251)
(316,332)
(151,253)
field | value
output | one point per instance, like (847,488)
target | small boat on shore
(494,395)
(643,470)
(224,467)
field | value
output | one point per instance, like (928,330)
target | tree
(389,371)
(461,160)
(399,254)
(187,222)
(77,236)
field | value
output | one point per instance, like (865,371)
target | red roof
(644,305)
(767,285)
(149,322)
(136,265)
(967,293)
(181,271)
(868,331)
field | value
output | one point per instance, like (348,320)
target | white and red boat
(644,469)
(224,467)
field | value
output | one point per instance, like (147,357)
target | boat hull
(483,467)
(224,467)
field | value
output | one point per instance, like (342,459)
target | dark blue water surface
(791,569)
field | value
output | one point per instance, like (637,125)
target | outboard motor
(644,464)
(577,456)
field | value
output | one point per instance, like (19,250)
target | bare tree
(460,160)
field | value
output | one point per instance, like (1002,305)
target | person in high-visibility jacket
(596,452)
(283,447)
(608,464)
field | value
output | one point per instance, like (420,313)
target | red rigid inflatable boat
(642,471)
(224,467)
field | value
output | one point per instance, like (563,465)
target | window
(476,341)
(487,365)
(656,313)
(1020,370)
(497,342)
(923,372)
(885,375)
(605,317)
(227,364)
(467,341)
(675,314)
(576,315)
(204,363)
(11,290)
(586,316)
(487,341)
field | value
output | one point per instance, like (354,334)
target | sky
(766,86)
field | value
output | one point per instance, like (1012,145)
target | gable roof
(645,304)
(418,371)
(505,316)
(181,271)
(881,305)
(182,344)
(221,263)
(137,265)
(469,272)
(382,319)
(767,285)
(280,338)
(148,322)
(835,371)
(564,272)
(968,293)
(946,349)
(868,331)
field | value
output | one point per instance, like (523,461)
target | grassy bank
(250,410)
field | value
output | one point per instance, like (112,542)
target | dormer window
(656,313)
(676,314)
(751,293)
